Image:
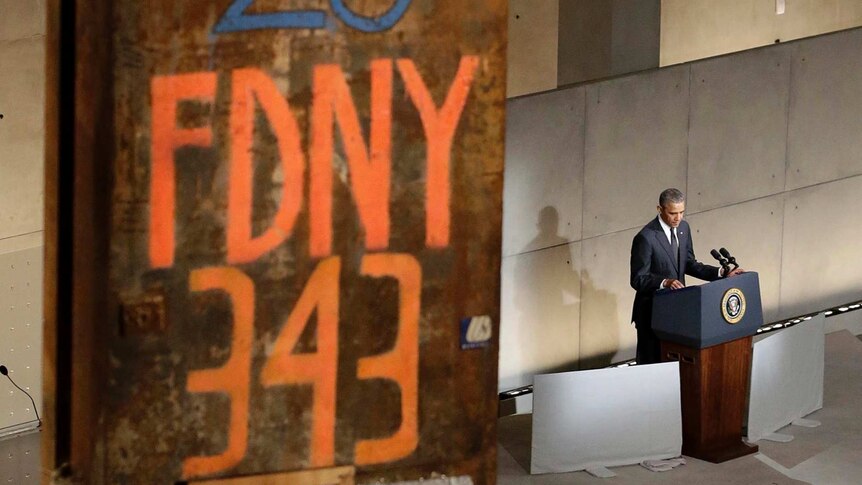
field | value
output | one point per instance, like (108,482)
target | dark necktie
(674,245)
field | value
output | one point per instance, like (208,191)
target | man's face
(671,213)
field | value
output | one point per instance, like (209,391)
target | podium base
(722,454)
(713,391)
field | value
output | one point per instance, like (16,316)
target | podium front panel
(710,314)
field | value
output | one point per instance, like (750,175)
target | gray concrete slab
(607,334)
(820,264)
(752,232)
(21,334)
(544,171)
(22,95)
(823,133)
(21,19)
(19,460)
(539,313)
(532,47)
(738,128)
(636,142)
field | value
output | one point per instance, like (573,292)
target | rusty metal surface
(319,476)
(291,197)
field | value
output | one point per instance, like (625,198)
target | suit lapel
(664,243)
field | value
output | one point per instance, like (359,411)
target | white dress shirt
(666,228)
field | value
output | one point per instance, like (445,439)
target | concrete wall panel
(532,47)
(752,232)
(607,335)
(22,101)
(21,335)
(694,29)
(24,241)
(821,263)
(20,19)
(604,38)
(584,50)
(636,137)
(539,314)
(826,99)
(815,17)
(21,460)
(635,35)
(544,171)
(752,115)
(738,128)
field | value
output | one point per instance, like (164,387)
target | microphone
(5,372)
(721,260)
(726,254)
(730,259)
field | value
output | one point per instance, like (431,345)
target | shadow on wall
(548,302)
(600,330)
(548,225)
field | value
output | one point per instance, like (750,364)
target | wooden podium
(708,329)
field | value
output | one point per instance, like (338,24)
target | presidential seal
(733,305)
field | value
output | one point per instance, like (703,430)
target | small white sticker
(476,332)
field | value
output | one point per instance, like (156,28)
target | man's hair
(671,196)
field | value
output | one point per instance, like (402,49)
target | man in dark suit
(662,254)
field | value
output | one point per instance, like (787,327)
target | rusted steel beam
(304,238)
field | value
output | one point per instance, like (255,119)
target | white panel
(738,128)
(20,19)
(22,95)
(607,334)
(752,233)
(539,314)
(606,417)
(532,48)
(544,171)
(20,334)
(636,139)
(786,377)
(826,99)
(821,260)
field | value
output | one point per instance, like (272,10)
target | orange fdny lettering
(248,85)
(166,92)
(233,377)
(439,131)
(318,368)
(401,364)
(369,173)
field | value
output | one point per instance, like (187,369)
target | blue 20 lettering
(236,20)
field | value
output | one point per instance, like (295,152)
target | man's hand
(735,272)
(674,284)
